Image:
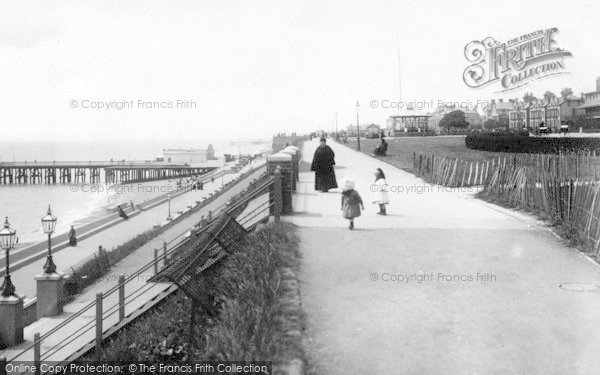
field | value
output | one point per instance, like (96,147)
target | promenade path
(138,292)
(379,301)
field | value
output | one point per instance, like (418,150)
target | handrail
(247,197)
(254,212)
(109,312)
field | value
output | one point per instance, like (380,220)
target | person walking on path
(322,165)
(380,192)
(72,237)
(351,202)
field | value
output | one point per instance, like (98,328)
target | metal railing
(169,249)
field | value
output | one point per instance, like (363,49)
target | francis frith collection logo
(514,63)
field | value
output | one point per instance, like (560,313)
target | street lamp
(8,238)
(169,217)
(357,128)
(337,135)
(49,223)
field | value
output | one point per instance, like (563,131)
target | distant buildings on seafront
(191,157)
(529,112)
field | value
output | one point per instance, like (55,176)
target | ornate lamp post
(49,223)
(8,238)
(357,127)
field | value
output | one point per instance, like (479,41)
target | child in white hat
(351,202)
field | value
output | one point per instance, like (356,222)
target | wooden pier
(112,172)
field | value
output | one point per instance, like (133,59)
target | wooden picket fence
(572,203)
(564,188)
(454,172)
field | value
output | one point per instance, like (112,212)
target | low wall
(279,142)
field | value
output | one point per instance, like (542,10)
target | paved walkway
(445,284)
(138,291)
(116,235)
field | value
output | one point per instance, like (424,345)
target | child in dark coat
(351,202)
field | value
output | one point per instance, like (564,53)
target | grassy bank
(400,150)
(92,270)
(254,313)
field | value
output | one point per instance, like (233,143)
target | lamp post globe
(49,223)
(8,238)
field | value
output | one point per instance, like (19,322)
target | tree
(491,124)
(454,119)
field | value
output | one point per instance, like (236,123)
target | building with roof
(569,108)
(591,103)
(498,110)
(190,156)
(373,131)
(553,112)
(409,120)
(518,118)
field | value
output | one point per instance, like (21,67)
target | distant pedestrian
(212,180)
(72,237)
(381,150)
(351,202)
(381,192)
(131,205)
(122,213)
(322,164)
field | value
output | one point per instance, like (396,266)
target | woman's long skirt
(325,181)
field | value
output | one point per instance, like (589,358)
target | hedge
(502,142)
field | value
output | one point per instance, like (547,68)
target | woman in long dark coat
(322,165)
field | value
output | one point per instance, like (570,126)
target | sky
(251,69)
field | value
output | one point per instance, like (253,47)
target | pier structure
(111,172)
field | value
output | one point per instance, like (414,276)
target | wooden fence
(563,188)
(454,172)
(572,203)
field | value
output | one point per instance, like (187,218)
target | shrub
(252,317)
(94,269)
(504,142)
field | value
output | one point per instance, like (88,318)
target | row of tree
(456,120)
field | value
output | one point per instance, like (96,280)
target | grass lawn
(400,150)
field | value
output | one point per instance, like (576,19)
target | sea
(78,204)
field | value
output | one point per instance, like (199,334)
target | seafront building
(555,112)
(498,110)
(188,156)
(591,103)
(373,131)
(409,120)
(192,157)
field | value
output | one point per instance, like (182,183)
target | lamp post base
(49,267)
(8,288)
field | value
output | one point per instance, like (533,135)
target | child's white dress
(380,196)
